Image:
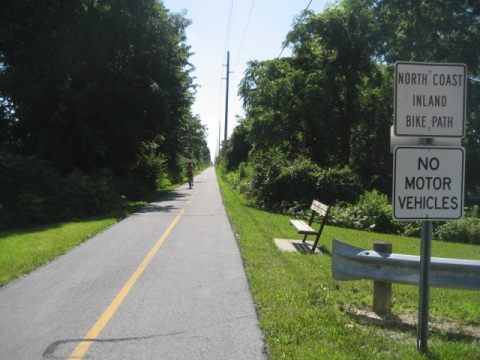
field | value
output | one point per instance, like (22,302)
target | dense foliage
(328,108)
(281,184)
(332,100)
(33,192)
(96,87)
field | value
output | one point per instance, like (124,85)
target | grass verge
(305,314)
(24,250)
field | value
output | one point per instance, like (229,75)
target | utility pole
(226,99)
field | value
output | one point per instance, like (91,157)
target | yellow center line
(96,329)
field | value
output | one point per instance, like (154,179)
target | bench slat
(318,207)
(302,227)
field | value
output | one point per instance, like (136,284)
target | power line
(244,33)
(295,27)
(228,32)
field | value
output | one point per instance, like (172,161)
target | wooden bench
(306,229)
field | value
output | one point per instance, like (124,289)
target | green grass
(305,314)
(24,250)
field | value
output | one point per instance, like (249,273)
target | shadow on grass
(118,214)
(395,323)
(30,230)
(306,248)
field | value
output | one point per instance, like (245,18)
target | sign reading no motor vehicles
(428,183)
(430,99)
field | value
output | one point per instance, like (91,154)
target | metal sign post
(424,289)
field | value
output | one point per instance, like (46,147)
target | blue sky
(255,31)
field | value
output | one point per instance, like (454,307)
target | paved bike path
(167,282)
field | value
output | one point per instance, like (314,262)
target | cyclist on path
(190,168)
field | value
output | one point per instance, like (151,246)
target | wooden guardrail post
(382,291)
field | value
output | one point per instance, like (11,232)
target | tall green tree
(237,148)
(423,30)
(443,31)
(309,104)
(333,42)
(370,144)
(193,137)
(90,81)
(268,90)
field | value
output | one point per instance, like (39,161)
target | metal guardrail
(353,263)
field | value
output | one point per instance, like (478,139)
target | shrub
(373,212)
(242,171)
(279,185)
(463,231)
(176,170)
(28,187)
(411,228)
(276,183)
(32,192)
(338,184)
(267,168)
(239,179)
(149,167)
(85,195)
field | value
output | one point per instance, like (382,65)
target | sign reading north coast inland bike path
(430,99)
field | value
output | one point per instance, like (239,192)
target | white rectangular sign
(430,99)
(428,183)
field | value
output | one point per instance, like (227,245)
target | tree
(444,31)
(308,104)
(370,156)
(91,81)
(236,149)
(268,93)
(333,42)
(423,30)
(193,137)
